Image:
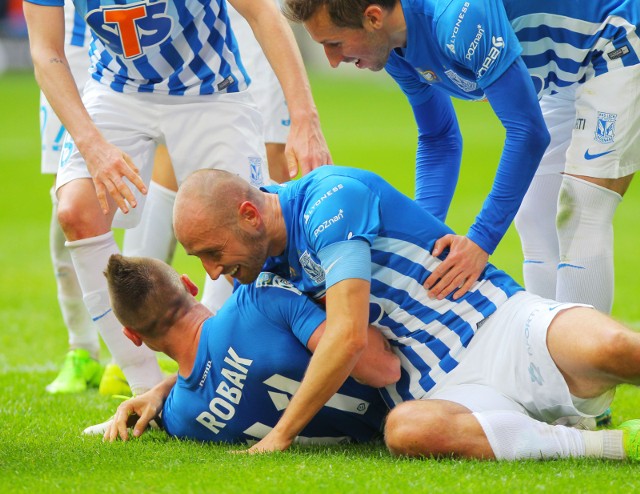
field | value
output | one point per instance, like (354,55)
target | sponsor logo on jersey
(580,123)
(328,223)
(456,27)
(256,177)
(228,393)
(466,85)
(317,203)
(474,44)
(497,43)
(605,128)
(205,374)
(312,268)
(620,52)
(129,30)
(428,75)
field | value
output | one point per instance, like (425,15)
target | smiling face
(228,250)
(367,47)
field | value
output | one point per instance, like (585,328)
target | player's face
(367,49)
(238,254)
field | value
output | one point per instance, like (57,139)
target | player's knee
(619,348)
(80,217)
(415,429)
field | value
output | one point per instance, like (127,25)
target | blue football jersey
(336,205)
(463,46)
(251,359)
(177,47)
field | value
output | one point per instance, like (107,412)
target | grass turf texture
(367,123)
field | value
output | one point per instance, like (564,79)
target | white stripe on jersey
(338,401)
(567,50)
(259,430)
(403,322)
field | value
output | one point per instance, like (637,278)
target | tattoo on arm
(56,60)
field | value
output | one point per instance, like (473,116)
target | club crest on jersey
(270,279)
(312,268)
(130,29)
(606,127)
(429,75)
(256,177)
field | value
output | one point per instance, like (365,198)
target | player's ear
(248,213)
(373,17)
(189,285)
(132,335)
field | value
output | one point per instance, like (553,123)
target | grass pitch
(368,124)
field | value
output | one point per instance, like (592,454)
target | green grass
(368,124)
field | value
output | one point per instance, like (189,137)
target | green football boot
(631,435)
(79,372)
(114,382)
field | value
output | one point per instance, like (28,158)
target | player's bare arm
(306,147)
(377,366)
(335,357)
(106,163)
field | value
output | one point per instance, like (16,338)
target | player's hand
(459,271)
(108,165)
(268,444)
(306,147)
(137,413)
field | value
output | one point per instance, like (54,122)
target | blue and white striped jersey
(251,359)
(570,42)
(463,46)
(336,205)
(176,47)
(75,29)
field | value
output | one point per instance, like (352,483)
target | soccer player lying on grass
(237,369)
(483,375)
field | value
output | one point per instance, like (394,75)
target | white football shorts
(508,366)
(595,126)
(51,130)
(264,85)
(221,131)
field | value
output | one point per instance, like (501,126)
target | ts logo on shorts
(605,129)
(129,29)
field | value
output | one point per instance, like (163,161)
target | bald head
(210,199)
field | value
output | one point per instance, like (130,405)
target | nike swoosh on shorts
(589,156)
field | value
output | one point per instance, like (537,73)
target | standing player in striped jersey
(239,368)
(347,237)
(581,58)
(81,367)
(164,72)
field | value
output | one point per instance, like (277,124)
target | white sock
(585,231)
(82,332)
(604,444)
(536,225)
(515,436)
(90,257)
(215,293)
(153,237)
